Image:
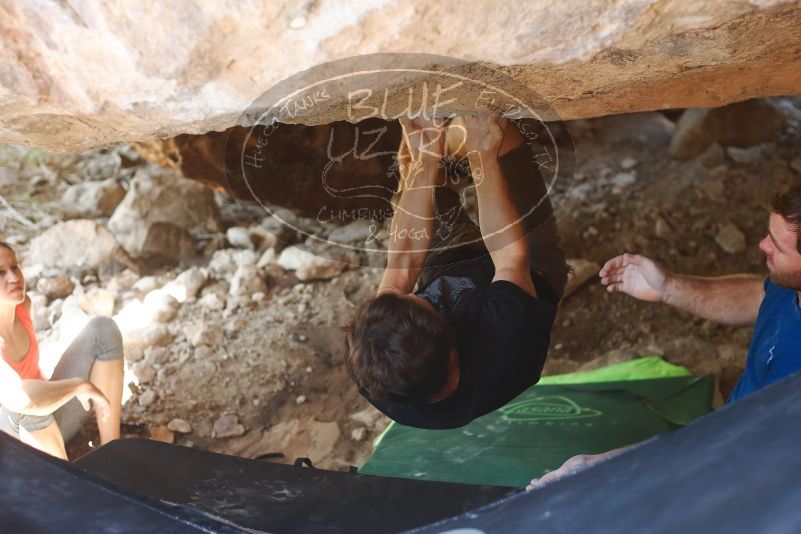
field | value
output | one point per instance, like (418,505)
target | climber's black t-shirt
(502,337)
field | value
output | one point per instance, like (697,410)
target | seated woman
(47,413)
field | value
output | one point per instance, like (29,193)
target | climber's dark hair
(397,350)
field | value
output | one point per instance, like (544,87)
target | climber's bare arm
(43,397)
(499,220)
(412,225)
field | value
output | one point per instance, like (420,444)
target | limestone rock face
(85,74)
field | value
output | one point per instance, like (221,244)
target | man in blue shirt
(771,304)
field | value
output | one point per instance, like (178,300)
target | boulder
(147,398)
(156,355)
(146,284)
(308,266)
(99,166)
(76,243)
(187,284)
(144,372)
(740,125)
(89,74)
(369,417)
(226,261)
(268,257)
(201,333)
(730,238)
(581,272)
(713,156)
(247,281)
(162,433)
(159,210)
(212,301)
(623,179)
(163,242)
(93,199)
(745,156)
(262,237)
(156,335)
(180,426)
(160,306)
(227,426)
(662,228)
(355,232)
(240,237)
(55,287)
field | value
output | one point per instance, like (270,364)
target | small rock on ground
(180,426)
(227,426)
(731,239)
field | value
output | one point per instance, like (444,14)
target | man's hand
(570,467)
(635,275)
(86,392)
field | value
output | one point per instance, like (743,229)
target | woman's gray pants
(99,340)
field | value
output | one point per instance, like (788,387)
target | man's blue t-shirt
(775,350)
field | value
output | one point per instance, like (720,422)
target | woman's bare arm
(43,397)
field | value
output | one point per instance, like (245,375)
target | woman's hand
(85,392)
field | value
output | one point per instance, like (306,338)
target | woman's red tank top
(28,367)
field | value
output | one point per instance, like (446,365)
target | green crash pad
(562,416)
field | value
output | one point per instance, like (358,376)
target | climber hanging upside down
(461,321)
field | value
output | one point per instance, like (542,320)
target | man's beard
(791,280)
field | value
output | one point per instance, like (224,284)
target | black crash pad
(40,494)
(281,498)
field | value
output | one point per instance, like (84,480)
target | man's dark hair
(396,350)
(787,203)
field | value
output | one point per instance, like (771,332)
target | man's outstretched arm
(732,300)
(412,225)
(499,220)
